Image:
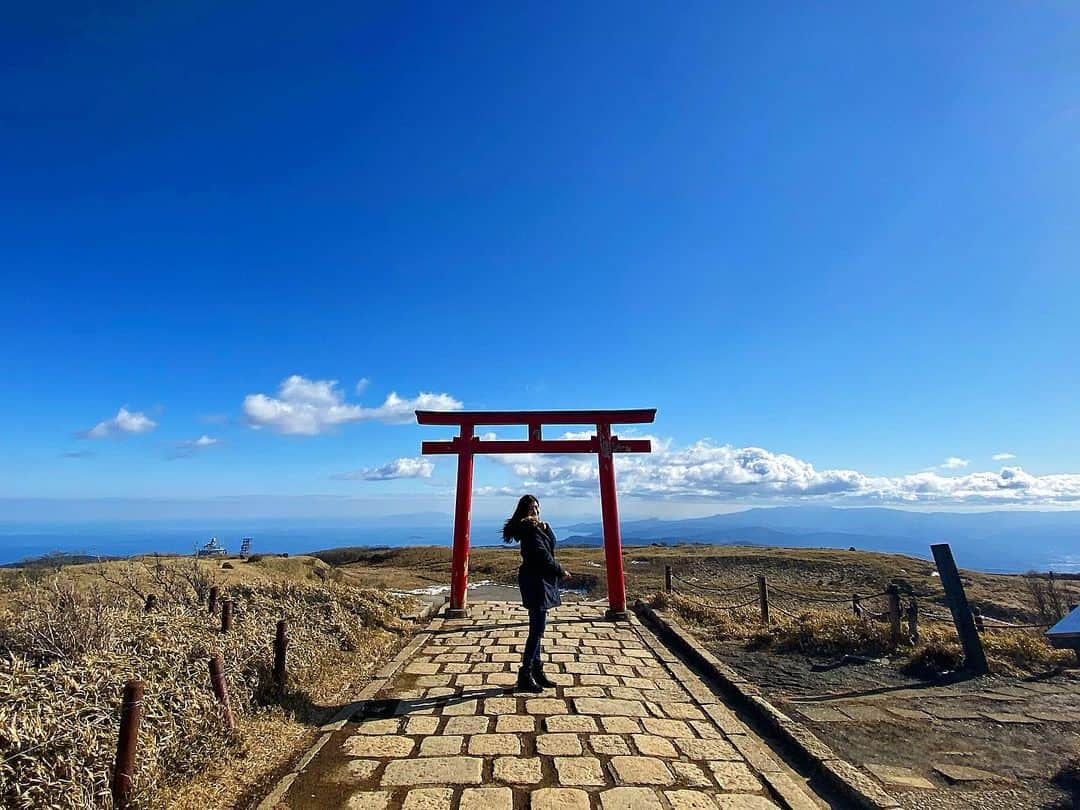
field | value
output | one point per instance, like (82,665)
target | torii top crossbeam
(604,444)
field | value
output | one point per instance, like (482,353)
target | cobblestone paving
(627,728)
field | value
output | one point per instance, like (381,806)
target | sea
(19,542)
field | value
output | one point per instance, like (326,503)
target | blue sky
(835,247)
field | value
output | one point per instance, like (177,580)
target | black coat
(539,574)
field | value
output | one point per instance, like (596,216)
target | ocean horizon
(19,542)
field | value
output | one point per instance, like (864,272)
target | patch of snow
(435,590)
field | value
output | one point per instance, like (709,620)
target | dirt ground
(1020,730)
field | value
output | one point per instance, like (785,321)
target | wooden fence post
(280,644)
(151,603)
(221,689)
(894,615)
(856,605)
(913,620)
(974,657)
(667,578)
(226,615)
(763,598)
(977,615)
(124,769)
(211,602)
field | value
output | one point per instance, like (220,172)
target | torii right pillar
(609,515)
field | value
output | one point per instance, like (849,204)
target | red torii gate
(465,445)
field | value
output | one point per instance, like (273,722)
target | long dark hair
(510,528)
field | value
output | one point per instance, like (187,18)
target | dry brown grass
(809,571)
(830,633)
(67,648)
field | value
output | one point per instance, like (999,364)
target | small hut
(212,549)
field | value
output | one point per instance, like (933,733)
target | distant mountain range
(992,541)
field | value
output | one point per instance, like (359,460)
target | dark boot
(525,682)
(539,676)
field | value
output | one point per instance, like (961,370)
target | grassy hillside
(810,572)
(70,639)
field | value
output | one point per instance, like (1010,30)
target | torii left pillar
(459,564)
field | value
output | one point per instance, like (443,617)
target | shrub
(933,660)
(832,632)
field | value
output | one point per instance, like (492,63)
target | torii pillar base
(616,615)
(456,613)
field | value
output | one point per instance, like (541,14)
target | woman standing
(538,579)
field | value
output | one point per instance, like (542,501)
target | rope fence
(701,587)
(788,602)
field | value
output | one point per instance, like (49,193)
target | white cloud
(1003,456)
(954,463)
(704,470)
(398,468)
(309,407)
(123,423)
(362,384)
(190,447)
(398,411)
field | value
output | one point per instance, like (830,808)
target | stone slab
(433,771)
(640,771)
(629,798)
(734,776)
(895,776)
(369,800)
(518,770)
(963,773)
(559,799)
(428,799)
(487,798)
(378,747)
(558,744)
(608,707)
(579,771)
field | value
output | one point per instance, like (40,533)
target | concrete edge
(840,775)
(342,715)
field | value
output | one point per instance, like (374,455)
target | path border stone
(840,775)
(381,678)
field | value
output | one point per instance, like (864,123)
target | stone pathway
(629,727)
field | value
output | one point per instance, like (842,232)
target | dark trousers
(537,623)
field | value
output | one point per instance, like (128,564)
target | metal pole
(974,657)
(124,769)
(609,512)
(667,578)
(226,615)
(459,567)
(280,643)
(763,598)
(221,690)
(211,603)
